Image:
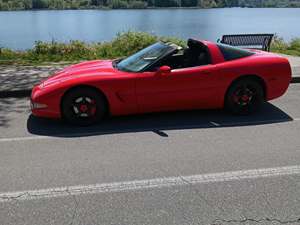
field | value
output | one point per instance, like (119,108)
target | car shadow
(158,122)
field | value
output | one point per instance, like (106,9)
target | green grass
(123,44)
(288,48)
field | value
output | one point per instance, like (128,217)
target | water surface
(20,29)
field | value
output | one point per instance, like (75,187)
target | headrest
(194,44)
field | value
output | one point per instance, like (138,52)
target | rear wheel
(244,97)
(83,106)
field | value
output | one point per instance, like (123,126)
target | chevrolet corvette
(164,77)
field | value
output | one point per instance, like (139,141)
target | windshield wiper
(115,63)
(150,58)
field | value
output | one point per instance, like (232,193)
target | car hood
(89,68)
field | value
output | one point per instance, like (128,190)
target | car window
(142,59)
(232,53)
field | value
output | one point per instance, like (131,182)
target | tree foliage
(84,4)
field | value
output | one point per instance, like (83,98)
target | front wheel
(244,97)
(83,106)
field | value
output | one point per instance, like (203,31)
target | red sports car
(164,77)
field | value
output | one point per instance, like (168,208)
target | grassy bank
(123,45)
(288,48)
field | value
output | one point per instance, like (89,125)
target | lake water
(20,29)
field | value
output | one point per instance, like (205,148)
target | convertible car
(164,77)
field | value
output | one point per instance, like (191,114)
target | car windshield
(142,59)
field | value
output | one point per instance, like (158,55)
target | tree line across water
(120,4)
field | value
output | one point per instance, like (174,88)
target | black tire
(83,106)
(244,97)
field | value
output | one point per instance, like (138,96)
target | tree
(150,2)
(167,3)
(189,3)
(96,2)
(75,4)
(39,4)
(27,4)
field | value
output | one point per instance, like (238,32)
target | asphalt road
(198,167)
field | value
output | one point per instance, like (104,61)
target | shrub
(137,5)
(291,48)
(123,44)
(295,44)
(119,4)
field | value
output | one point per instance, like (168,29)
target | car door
(186,88)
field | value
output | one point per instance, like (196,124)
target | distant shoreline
(17,5)
(147,8)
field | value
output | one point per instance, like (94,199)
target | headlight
(35,105)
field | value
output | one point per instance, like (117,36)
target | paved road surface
(200,167)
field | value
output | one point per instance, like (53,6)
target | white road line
(149,184)
(24,138)
(214,124)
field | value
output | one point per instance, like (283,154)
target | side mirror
(164,70)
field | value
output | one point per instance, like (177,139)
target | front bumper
(44,106)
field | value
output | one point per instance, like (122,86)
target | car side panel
(121,94)
(189,88)
(118,90)
(274,71)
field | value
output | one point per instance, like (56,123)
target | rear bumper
(279,83)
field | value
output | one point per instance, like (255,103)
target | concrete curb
(27,92)
(15,94)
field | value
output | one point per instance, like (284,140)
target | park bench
(255,41)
